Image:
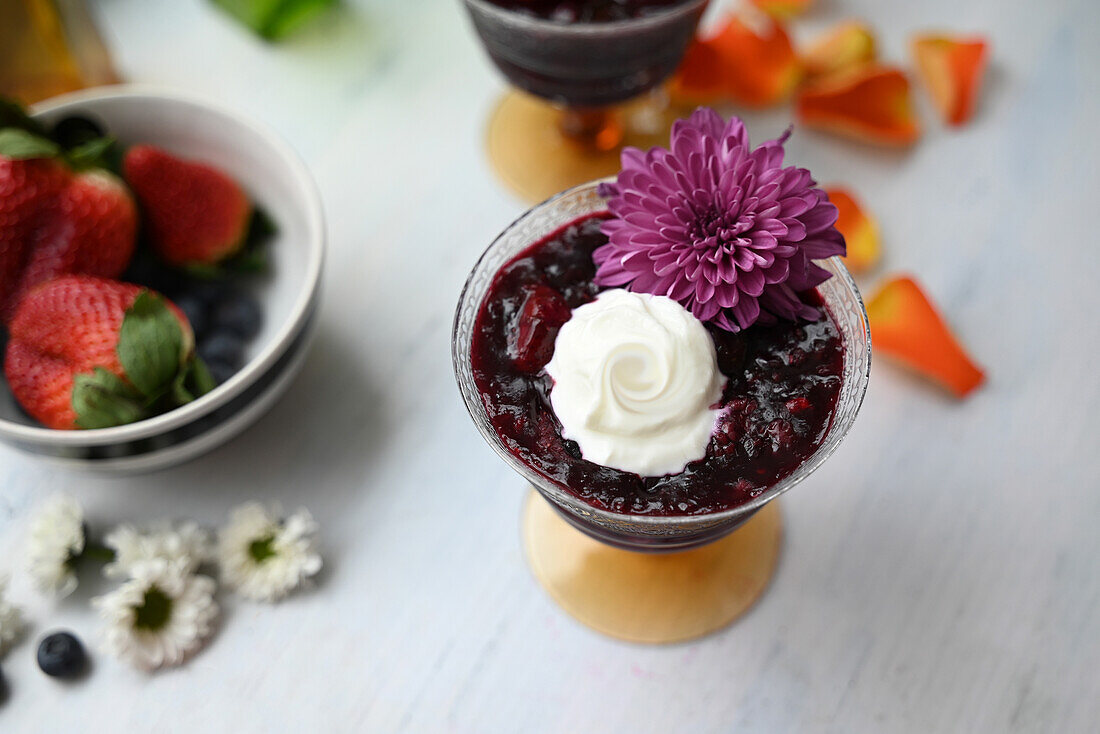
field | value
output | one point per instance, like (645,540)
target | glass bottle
(48,47)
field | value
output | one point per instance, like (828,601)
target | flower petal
(741,64)
(870,104)
(860,230)
(783,9)
(905,325)
(843,48)
(952,69)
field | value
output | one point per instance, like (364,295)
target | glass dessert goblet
(584,90)
(641,577)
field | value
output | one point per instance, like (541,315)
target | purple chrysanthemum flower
(721,228)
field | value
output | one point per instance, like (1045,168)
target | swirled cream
(635,376)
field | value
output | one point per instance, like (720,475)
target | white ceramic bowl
(278,181)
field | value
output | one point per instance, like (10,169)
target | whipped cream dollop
(635,378)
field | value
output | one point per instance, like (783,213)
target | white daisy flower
(56,542)
(264,558)
(11,621)
(186,543)
(160,616)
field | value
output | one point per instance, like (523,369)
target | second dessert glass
(584,91)
(646,578)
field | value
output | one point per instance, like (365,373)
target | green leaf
(274,20)
(150,345)
(18,144)
(92,154)
(12,114)
(199,380)
(102,399)
(261,226)
(253,255)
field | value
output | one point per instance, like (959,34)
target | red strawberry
(195,214)
(55,222)
(86,352)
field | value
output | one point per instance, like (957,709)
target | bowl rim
(567,501)
(269,354)
(583,29)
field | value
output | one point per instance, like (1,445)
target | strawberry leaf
(19,144)
(151,345)
(102,399)
(198,379)
(12,114)
(95,153)
(192,383)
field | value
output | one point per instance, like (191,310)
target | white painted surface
(941,572)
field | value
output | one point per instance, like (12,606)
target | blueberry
(210,293)
(76,130)
(146,270)
(240,314)
(196,312)
(221,372)
(61,655)
(222,347)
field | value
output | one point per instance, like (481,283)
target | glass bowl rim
(564,499)
(581,29)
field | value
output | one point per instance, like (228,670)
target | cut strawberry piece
(906,326)
(543,312)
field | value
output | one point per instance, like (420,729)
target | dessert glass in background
(587,87)
(641,577)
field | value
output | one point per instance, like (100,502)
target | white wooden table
(941,572)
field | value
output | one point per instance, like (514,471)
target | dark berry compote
(783,382)
(587,11)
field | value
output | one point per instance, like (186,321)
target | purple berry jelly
(783,383)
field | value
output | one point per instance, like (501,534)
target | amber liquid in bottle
(48,47)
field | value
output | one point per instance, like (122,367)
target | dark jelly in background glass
(586,64)
(587,11)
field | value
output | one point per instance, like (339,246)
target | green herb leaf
(150,345)
(19,144)
(102,400)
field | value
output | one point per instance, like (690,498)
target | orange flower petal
(952,69)
(745,64)
(905,325)
(783,9)
(699,80)
(844,48)
(870,104)
(860,230)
